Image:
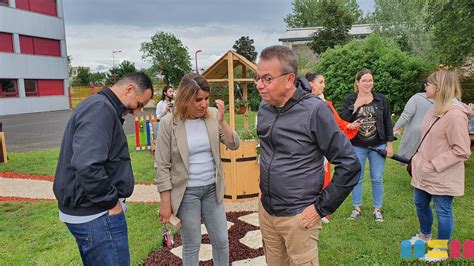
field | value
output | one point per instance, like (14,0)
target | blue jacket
(293,143)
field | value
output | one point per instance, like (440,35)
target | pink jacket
(438,166)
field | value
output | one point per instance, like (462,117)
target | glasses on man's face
(267,79)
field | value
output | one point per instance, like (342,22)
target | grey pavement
(40,131)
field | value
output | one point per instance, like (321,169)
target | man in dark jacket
(94,174)
(297,130)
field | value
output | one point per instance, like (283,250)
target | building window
(8,88)
(39,46)
(47,7)
(6,42)
(4,2)
(31,87)
(50,87)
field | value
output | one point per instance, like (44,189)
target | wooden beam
(246,99)
(233,162)
(244,80)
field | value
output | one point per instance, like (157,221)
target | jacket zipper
(271,161)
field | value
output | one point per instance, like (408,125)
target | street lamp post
(196,58)
(113,61)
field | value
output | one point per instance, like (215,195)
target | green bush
(397,75)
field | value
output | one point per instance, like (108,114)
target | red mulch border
(237,250)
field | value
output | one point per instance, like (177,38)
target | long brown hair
(188,88)
(447,88)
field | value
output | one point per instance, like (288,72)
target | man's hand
(220,110)
(117,209)
(309,216)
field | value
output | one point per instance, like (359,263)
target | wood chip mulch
(237,251)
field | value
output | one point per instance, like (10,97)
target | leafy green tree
(83,77)
(403,22)
(336,20)
(99,78)
(452,24)
(396,73)
(244,46)
(168,56)
(123,68)
(306,13)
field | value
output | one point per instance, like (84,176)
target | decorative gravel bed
(238,251)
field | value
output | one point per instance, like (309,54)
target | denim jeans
(103,241)
(376,165)
(200,202)
(444,212)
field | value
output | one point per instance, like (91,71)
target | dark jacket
(293,141)
(94,168)
(382,110)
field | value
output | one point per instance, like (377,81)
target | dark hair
(359,75)
(140,79)
(284,54)
(164,91)
(311,76)
(423,85)
(187,90)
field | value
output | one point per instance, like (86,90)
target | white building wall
(23,66)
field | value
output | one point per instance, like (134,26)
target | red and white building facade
(33,57)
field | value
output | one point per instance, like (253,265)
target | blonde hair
(359,76)
(448,87)
(187,90)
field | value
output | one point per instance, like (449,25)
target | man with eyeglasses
(297,130)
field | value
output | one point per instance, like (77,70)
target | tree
(168,56)
(99,78)
(397,74)
(403,21)
(306,13)
(123,68)
(336,20)
(452,24)
(244,46)
(83,77)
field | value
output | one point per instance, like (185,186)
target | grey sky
(95,28)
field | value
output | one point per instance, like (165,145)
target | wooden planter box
(241,171)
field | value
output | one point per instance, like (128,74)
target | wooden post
(245,99)
(233,162)
(3,149)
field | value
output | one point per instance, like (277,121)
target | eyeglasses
(267,79)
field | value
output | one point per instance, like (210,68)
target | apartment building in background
(33,57)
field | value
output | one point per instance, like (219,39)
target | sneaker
(354,215)
(416,238)
(325,219)
(378,216)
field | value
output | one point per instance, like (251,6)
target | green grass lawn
(31,234)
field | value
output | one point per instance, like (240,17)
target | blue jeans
(200,202)
(376,165)
(103,241)
(444,212)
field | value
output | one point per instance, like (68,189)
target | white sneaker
(416,238)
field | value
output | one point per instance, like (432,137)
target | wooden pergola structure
(222,71)
(243,184)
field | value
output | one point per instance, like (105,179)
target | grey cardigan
(412,120)
(172,156)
